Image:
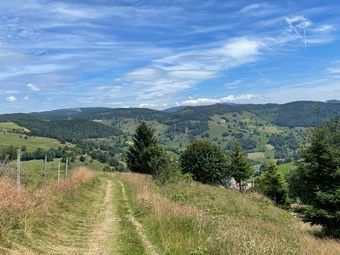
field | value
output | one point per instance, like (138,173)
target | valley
(115,211)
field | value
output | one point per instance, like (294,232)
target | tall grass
(22,209)
(201,219)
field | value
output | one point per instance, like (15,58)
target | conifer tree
(240,168)
(137,155)
(272,184)
(317,180)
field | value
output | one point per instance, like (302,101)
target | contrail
(294,27)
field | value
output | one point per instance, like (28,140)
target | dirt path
(105,231)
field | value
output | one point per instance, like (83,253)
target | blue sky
(159,54)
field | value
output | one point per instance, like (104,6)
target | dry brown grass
(78,176)
(218,221)
(21,207)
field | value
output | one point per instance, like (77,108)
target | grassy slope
(200,219)
(33,171)
(10,126)
(31,143)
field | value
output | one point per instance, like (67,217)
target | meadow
(30,142)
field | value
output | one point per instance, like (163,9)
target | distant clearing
(10,127)
(31,143)
(256,155)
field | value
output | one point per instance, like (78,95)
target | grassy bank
(200,219)
(38,221)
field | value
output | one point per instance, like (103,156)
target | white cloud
(33,87)
(226,99)
(11,99)
(185,69)
(26,98)
(147,105)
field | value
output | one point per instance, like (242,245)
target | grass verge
(201,219)
(49,220)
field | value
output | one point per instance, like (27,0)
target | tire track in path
(149,248)
(106,230)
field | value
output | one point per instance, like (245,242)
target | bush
(169,172)
(205,161)
(82,158)
(107,169)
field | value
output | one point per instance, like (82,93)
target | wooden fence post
(58,173)
(45,167)
(19,167)
(66,167)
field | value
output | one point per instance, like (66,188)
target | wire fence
(35,172)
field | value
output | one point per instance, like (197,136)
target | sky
(160,54)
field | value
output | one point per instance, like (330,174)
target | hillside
(265,131)
(130,214)
(300,113)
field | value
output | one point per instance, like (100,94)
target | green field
(10,127)
(31,143)
(33,171)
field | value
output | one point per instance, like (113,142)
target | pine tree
(137,155)
(272,184)
(317,180)
(240,168)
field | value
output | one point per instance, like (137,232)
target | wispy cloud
(259,9)
(186,69)
(334,67)
(233,84)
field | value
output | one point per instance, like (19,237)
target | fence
(38,172)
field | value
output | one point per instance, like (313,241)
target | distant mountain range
(333,101)
(78,123)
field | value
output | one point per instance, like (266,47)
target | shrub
(169,172)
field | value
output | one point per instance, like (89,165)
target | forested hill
(103,114)
(77,124)
(300,113)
